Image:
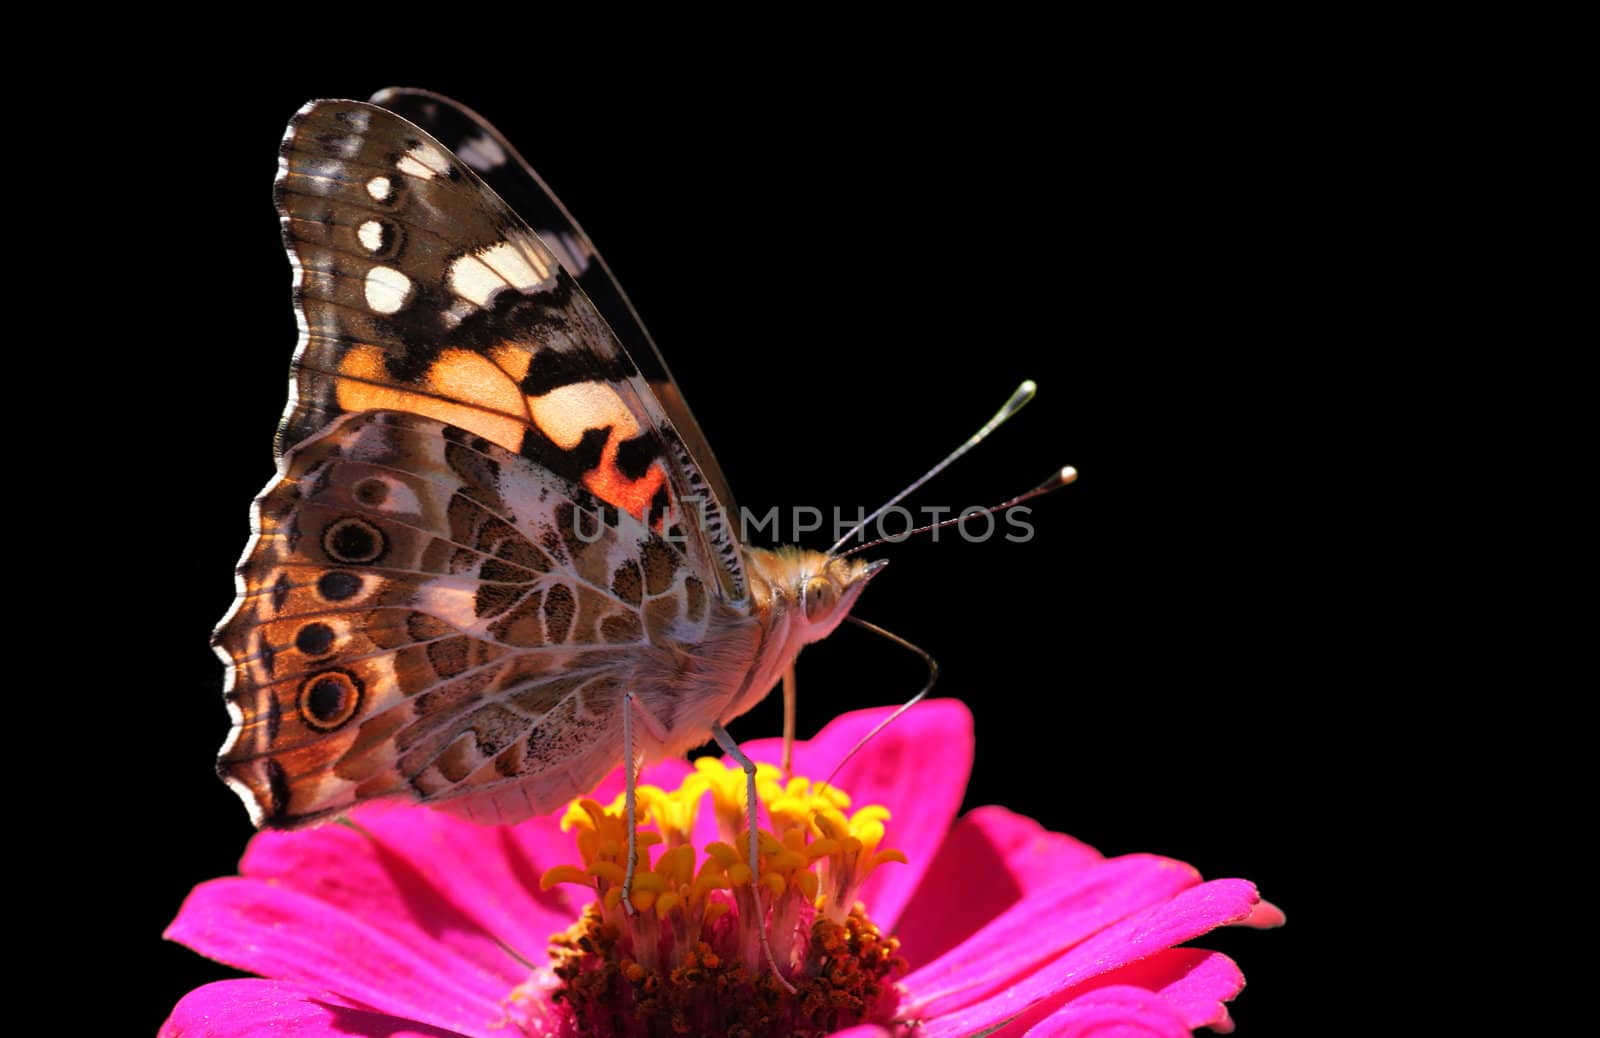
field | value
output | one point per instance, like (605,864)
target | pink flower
(413,922)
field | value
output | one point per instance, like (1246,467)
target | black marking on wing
(569,464)
(635,456)
(550,370)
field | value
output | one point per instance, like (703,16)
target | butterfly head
(830,590)
(818,590)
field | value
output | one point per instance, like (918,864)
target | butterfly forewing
(420,290)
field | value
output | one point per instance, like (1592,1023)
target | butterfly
(498,557)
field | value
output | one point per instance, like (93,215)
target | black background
(846,287)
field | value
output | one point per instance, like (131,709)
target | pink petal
(484,869)
(272,1008)
(861,1031)
(1041,926)
(1115,1012)
(533,846)
(283,934)
(990,861)
(1192,981)
(1192,912)
(917,767)
(1206,981)
(1265,916)
(393,883)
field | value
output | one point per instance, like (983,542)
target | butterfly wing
(410,619)
(425,613)
(419,290)
(478,144)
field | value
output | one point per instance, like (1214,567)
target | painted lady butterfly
(497,549)
(498,557)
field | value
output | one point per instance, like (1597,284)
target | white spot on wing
(521,263)
(371,235)
(387,289)
(380,188)
(471,279)
(567,412)
(411,167)
(424,161)
(482,152)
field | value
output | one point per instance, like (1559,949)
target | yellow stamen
(677,949)
(727,786)
(609,871)
(564,874)
(674,813)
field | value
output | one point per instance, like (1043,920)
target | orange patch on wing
(609,484)
(514,359)
(463,388)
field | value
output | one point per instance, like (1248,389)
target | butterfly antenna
(1058,479)
(933,676)
(1023,394)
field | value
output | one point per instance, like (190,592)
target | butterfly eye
(818,597)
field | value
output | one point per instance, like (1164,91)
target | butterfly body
(492,533)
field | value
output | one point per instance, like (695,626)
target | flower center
(688,959)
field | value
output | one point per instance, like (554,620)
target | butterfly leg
(788,722)
(630,771)
(731,748)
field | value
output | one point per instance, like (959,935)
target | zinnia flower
(410,922)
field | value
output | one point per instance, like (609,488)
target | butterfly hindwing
(420,290)
(424,612)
